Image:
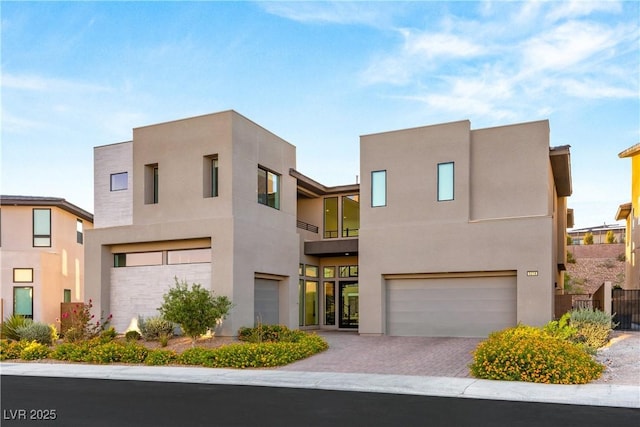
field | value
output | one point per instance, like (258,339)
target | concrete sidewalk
(590,394)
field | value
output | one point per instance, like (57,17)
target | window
(23,301)
(329,303)
(151,184)
(348,271)
(329,272)
(42,227)
(378,188)
(445,181)
(189,256)
(268,188)
(79,237)
(350,215)
(119,181)
(211,176)
(67,295)
(23,275)
(311,271)
(136,259)
(330,217)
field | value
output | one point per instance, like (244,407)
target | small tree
(610,237)
(196,310)
(588,238)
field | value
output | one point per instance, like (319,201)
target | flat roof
(46,201)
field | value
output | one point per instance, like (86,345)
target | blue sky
(319,74)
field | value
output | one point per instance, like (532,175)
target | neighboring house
(439,239)
(42,255)
(630,212)
(599,233)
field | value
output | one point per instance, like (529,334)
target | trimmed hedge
(525,353)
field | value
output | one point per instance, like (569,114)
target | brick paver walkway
(350,352)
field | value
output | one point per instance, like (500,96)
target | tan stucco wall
(492,225)
(246,237)
(55,268)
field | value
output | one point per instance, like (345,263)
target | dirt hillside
(594,265)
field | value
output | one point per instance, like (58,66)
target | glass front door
(348,303)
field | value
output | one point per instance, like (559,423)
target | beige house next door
(450,305)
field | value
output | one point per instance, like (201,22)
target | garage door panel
(266,301)
(470,306)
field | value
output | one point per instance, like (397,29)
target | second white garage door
(467,306)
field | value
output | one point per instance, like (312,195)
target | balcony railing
(306,226)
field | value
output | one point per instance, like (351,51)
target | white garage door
(266,301)
(450,306)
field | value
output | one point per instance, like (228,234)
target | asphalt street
(70,402)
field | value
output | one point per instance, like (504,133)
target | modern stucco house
(452,231)
(630,212)
(42,255)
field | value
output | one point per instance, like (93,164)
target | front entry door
(348,303)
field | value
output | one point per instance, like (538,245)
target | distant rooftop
(46,201)
(603,227)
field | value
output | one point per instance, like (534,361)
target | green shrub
(11,324)
(71,351)
(36,331)
(610,237)
(161,357)
(525,353)
(108,352)
(196,310)
(588,238)
(108,334)
(198,356)
(154,328)
(10,350)
(34,351)
(561,328)
(570,258)
(593,327)
(269,333)
(131,336)
(133,353)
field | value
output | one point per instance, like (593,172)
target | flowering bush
(11,349)
(80,323)
(593,328)
(34,351)
(161,357)
(525,353)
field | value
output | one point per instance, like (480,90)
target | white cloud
(420,51)
(567,45)
(333,12)
(579,8)
(40,83)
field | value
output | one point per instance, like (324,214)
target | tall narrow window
(268,188)
(66,295)
(119,181)
(350,215)
(378,188)
(23,301)
(79,232)
(42,227)
(151,184)
(330,217)
(211,176)
(445,181)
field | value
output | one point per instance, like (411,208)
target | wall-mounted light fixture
(531,273)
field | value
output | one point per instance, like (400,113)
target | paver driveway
(350,352)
